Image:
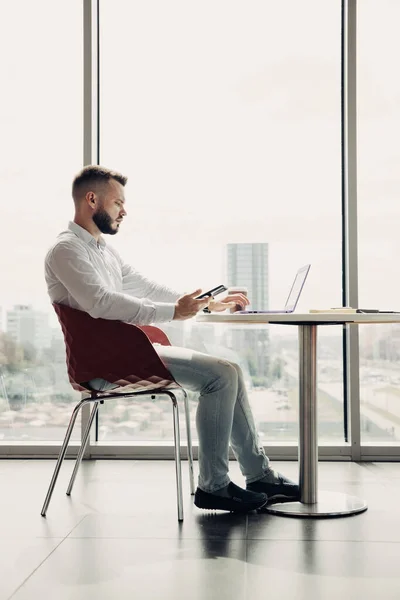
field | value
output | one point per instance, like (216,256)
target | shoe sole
(233,507)
(278,497)
(282,498)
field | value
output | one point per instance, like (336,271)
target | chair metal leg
(61,455)
(177,447)
(189,442)
(83,447)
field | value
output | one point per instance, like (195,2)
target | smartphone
(213,292)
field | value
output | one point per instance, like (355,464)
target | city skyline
(245,264)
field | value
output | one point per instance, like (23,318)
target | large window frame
(351,448)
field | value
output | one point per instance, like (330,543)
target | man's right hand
(186,306)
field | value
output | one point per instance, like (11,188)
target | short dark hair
(91,177)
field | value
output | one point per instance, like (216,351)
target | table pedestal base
(330,504)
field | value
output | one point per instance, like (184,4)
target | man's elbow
(96,308)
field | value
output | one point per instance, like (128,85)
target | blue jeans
(223,415)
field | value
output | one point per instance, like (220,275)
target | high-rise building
(247,266)
(28,327)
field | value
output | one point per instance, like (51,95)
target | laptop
(292,299)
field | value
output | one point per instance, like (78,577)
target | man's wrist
(165,311)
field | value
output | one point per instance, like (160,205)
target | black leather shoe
(280,490)
(238,500)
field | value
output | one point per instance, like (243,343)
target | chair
(118,353)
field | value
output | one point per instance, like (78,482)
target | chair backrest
(155,335)
(118,352)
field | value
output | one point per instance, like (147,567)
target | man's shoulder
(65,241)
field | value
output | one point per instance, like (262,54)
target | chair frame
(99,397)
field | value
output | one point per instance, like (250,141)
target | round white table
(312,503)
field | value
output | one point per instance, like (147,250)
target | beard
(104,222)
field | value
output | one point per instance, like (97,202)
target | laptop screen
(296,288)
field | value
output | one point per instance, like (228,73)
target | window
(379,215)
(226,118)
(42,133)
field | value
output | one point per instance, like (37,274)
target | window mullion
(350,296)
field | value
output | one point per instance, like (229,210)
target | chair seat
(102,385)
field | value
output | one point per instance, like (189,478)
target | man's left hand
(232,301)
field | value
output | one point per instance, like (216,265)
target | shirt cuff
(165,312)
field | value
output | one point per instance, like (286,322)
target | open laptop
(292,299)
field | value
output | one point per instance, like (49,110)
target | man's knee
(223,374)
(239,375)
(237,368)
(228,369)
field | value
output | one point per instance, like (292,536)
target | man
(85,273)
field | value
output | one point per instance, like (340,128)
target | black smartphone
(213,292)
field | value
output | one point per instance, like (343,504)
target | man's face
(110,210)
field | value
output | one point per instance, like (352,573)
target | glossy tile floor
(118,537)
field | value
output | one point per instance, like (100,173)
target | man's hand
(186,306)
(232,301)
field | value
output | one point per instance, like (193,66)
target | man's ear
(91,199)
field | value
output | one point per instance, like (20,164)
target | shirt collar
(84,235)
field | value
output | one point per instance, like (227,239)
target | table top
(300,318)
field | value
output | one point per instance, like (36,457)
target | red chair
(101,351)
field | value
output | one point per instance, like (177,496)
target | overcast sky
(225,115)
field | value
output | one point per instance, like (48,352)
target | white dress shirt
(92,277)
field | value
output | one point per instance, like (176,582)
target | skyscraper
(28,327)
(247,265)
